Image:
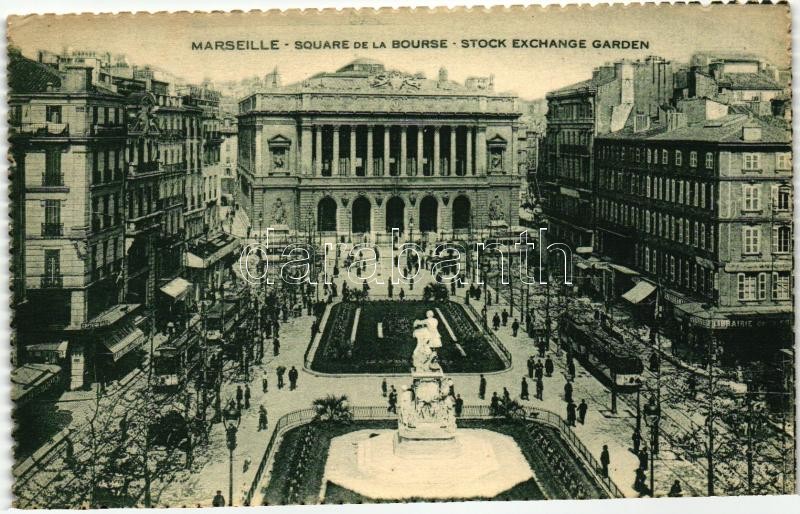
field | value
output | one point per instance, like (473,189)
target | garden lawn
(370,354)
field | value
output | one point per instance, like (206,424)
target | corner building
(355,153)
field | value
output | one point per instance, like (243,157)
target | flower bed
(300,463)
(371,354)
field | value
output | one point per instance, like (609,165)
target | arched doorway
(428,214)
(395,214)
(362,214)
(461,212)
(326,215)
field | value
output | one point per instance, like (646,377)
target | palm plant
(332,408)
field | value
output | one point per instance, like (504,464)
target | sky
(165,41)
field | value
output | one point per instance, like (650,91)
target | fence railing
(380,412)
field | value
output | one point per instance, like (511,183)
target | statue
(424,358)
(279,214)
(433,329)
(496,210)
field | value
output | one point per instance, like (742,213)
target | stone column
(368,166)
(403,149)
(437,166)
(386,148)
(352,168)
(306,149)
(451,170)
(318,143)
(420,148)
(335,157)
(469,170)
(480,151)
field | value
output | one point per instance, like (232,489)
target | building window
(655,156)
(664,157)
(693,159)
(646,259)
(783,161)
(781,198)
(52,266)
(53,113)
(672,268)
(746,287)
(751,197)
(781,239)
(678,158)
(751,162)
(695,233)
(52,168)
(679,229)
(751,240)
(709,161)
(781,286)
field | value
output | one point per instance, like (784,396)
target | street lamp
(652,415)
(411,228)
(232,418)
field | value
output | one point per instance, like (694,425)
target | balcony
(52,229)
(146,167)
(52,281)
(46,129)
(52,179)
(108,130)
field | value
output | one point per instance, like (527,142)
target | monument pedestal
(426,409)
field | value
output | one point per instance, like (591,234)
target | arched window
(326,215)
(462,212)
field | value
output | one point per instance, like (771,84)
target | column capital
(335,127)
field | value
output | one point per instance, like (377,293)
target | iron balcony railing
(52,229)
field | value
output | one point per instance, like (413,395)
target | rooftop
(748,81)
(727,129)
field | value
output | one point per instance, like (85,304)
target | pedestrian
(402,294)
(496,321)
(411,283)
(293,374)
(505,318)
(280,370)
(582,408)
(247,396)
(459,405)
(548,366)
(392,401)
(691,384)
(643,458)
(390,289)
(482,388)
(639,483)
(276,346)
(515,327)
(538,369)
(524,390)
(571,367)
(637,440)
(539,388)
(605,460)
(506,397)
(384,388)
(453,288)
(571,413)
(675,491)
(262,418)
(568,392)
(494,405)
(655,362)
(264,384)
(219,500)
(530,366)
(239,396)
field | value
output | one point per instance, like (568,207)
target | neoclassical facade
(363,150)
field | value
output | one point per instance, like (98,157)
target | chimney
(77,78)
(751,131)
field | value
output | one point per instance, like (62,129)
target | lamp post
(652,415)
(411,228)
(232,418)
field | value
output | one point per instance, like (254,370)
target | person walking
(276,346)
(384,388)
(390,289)
(239,396)
(505,318)
(691,384)
(643,455)
(515,327)
(459,405)
(637,440)
(582,408)
(494,404)
(605,460)
(530,366)
(524,390)
(280,370)
(482,388)
(219,500)
(571,413)
(538,369)
(539,388)
(571,367)
(548,366)
(640,481)
(293,374)
(568,392)
(402,294)
(247,396)
(496,322)
(262,418)
(392,401)
(264,384)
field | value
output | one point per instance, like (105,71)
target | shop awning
(639,292)
(177,288)
(119,347)
(59,348)
(584,249)
(31,379)
(623,269)
(583,265)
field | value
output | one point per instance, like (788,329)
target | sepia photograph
(386,256)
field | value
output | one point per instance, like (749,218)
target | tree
(333,408)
